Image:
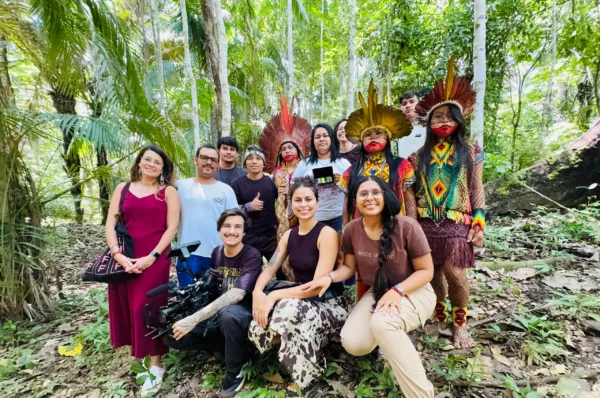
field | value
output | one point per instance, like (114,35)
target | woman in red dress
(151,215)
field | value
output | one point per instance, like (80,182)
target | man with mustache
(410,144)
(257,193)
(238,266)
(203,199)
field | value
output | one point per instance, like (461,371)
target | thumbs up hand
(257,204)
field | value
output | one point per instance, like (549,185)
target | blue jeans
(197,265)
(335,223)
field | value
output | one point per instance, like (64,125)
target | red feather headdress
(453,90)
(282,128)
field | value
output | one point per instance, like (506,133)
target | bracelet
(397,291)
(115,248)
(331,277)
(113,254)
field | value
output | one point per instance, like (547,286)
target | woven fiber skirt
(448,243)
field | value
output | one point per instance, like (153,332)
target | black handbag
(104,268)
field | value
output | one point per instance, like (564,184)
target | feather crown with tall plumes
(452,90)
(374,116)
(284,127)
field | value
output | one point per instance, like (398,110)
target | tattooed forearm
(232,296)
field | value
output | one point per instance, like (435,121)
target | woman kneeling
(301,321)
(393,257)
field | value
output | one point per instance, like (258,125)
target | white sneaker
(151,386)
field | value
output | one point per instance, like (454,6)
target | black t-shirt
(228,176)
(240,271)
(264,222)
(352,156)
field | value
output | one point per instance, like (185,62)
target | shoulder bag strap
(122,199)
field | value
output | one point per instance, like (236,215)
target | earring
(162,180)
(140,172)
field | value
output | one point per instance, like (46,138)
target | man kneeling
(238,267)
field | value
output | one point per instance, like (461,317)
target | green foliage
(543,338)
(582,305)
(576,226)
(517,392)
(377,378)
(458,367)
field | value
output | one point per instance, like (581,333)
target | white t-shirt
(201,207)
(410,144)
(331,197)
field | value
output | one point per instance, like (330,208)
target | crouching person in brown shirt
(392,256)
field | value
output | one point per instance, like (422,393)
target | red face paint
(375,146)
(443,131)
(290,158)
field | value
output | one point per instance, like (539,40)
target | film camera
(181,301)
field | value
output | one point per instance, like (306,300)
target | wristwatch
(155,253)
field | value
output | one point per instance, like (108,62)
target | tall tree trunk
(159,59)
(596,89)
(351,58)
(390,100)
(7,100)
(190,74)
(211,50)
(290,49)
(223,72)
(141,16)
(7,95)
(479,69)
(101,161)
(321,63)
(65,104)
(103,185)
(547,109)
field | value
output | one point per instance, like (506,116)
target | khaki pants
(363,331)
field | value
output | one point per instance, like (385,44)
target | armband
(398,289)
(478,220)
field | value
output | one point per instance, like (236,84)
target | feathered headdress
(376,116)
(454,90)
(282,128)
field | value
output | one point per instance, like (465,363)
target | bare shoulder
(328,234)
(285,236)
(170,190)
(119,188)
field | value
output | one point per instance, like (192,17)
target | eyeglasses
(205,159)
(375,193)
(156,162)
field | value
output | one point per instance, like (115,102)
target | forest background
(85,83)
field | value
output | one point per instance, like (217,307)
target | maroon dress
(146,221)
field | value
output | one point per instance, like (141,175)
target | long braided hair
(391,208)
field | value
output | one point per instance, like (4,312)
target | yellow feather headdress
(377,116)
(453,90)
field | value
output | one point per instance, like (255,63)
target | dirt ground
(535,317)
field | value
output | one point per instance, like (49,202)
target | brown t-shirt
(409,242)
